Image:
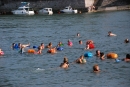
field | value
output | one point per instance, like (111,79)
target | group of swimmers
(80,60)
(65,64)
(101,55)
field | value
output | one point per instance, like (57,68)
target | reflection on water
(20,70)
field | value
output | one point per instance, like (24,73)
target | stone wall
(55,4)
(110,3)
(89,3)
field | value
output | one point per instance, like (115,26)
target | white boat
(46,11)
(24,9)
(68,9)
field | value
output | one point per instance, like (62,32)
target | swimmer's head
(126,40)
(96,67)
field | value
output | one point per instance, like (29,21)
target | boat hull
(69,9)
(47,11)
(22,12)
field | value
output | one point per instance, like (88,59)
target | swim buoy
(112,55)
(31,51)
(88,54)
(60,48)
(51,51)
(84,61)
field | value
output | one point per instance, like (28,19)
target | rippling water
(28,70)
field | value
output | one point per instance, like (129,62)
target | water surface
(29,70)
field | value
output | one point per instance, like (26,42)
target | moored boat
(24,9)
(46,11)
(68,9)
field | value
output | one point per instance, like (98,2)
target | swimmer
(14,46)
(23,45)
(52,50)
(42,46)
(102,56)
(65,63)
(98,53)
(70,43)
(49,45)
(96,68)
(126,41)
(1,52)
(81,60)
(66,60)
(39,50)
(127,59)
(111,34)
(78,34)
(80,42)
(89,45)
(60,44)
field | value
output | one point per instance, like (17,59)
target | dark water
(29,70)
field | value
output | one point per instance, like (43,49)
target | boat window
(26,9)
(70,8)
(46,9)
(20,8)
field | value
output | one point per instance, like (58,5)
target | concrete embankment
(114,8)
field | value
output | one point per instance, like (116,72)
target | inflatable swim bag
(88,54)
(60,48)
(35,47)
(84,61)
(112,55)
(31,51)
(51,51)
(16,46)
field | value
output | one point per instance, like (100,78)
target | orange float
(31,51)
(51,51)
(112,55)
